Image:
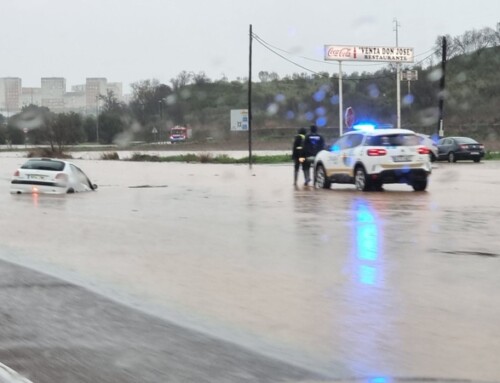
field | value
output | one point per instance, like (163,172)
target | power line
(262,41)
(273,49)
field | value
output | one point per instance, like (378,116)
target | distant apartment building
(10,95)
(94,87)
(53,90)
(31,96)
(52,94)
(117,89)
(75,102)
(78,88)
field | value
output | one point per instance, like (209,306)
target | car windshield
(49,165)
(393,140)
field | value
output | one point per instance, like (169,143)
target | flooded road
(351,284)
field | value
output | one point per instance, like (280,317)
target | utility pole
(441,90)
(97,118)
(160,107)
(398,75)
(250,100)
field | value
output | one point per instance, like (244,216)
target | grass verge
(207,158)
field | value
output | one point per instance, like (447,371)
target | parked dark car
(455,149)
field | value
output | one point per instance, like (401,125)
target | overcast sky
(131,40)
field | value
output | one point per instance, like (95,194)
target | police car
(369,158)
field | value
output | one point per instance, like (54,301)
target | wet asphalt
(53,331)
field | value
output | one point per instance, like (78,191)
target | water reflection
(368,306)
(366,241)
(40,201)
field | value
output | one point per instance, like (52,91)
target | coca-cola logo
(339,52)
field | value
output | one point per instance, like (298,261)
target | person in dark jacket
(313,143)
(298,154)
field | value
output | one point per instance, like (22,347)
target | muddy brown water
(392,283)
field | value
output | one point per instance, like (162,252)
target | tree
(89,127)
(182,79)
(35,120)
(200,78)
(110,126)
(263,76)
(15,135)
(147,95)
(112,118)
(470,41)
(111,103)
(67,129)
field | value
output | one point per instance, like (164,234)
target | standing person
(313,143)
(298,154)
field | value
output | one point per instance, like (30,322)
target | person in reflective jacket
(313,143)
(298,155)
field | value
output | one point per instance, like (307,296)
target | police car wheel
(361,180)
(320,179)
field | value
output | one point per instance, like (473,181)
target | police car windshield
(393,140)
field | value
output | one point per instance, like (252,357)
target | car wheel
(451,157)
(477,159)
(361,179)
(70,191)
(433,157)
(420,185)
(320,179)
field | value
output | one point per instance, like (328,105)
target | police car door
(349,153)
(333,161)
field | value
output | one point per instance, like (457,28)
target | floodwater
(351,284)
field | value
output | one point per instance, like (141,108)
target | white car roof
(382,132)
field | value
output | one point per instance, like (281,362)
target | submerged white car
(50,176)
(369,159)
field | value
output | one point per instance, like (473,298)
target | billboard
(239,119)
(368,53)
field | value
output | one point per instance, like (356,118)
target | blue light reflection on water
(366,245)
(366,318)
(379,379)
(366,323)
(367,274)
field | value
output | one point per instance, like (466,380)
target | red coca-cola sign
(341,53)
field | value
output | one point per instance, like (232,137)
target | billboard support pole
(398,78)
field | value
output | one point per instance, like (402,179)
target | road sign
(349,117)
(239,120)
(409,75)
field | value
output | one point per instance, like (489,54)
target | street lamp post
(97,118)
(160,111)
